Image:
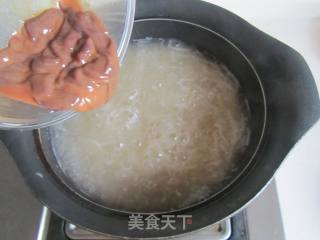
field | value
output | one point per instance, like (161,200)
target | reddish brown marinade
(61,59)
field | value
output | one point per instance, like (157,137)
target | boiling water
(167,138)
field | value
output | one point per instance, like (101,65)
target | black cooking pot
(282,97)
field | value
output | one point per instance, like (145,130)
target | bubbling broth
(166,140)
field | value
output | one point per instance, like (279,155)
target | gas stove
(53,227)
(217,231)
(23,217)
